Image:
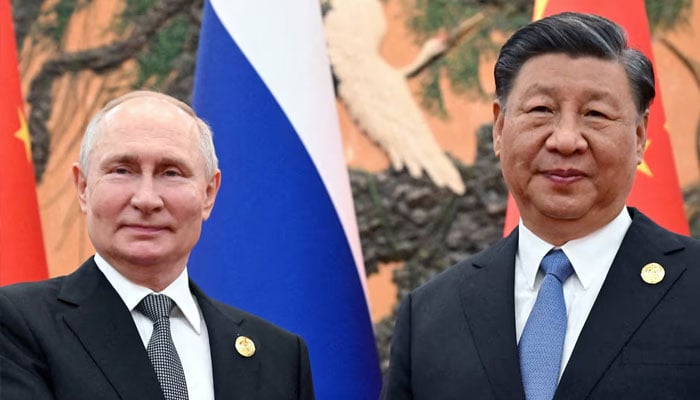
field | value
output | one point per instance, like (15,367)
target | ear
(497,130)
(211,191)
(641,134)
(80,181)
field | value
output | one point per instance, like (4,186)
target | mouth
(564,176)
(146,230)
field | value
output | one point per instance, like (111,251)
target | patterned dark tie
(542,341)
(161,349)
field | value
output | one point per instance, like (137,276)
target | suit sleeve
(397,382)
(23,371)
(306,386)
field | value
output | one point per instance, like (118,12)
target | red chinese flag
(22,256)
(656,190)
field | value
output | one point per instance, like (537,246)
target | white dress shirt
(591,257)
(189,331)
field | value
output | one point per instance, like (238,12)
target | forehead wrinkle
(552,89)
(539,88)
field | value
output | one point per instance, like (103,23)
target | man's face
(569,140)
(145,192)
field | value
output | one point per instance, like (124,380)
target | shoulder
(645,230)
(51,292)
(500,254)
(282,356)
(217,313)
(252,321)
(277,349)
(30,294)
(27,315)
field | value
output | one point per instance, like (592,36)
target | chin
(145,258)
(563,216)
(570,211)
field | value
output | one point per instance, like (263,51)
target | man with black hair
(587,298)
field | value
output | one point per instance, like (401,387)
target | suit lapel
(104,326)
(488,304)
(235,376)
(622,305)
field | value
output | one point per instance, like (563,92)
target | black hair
(575,35)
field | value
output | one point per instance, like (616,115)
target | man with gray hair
(587,298)
(129,324)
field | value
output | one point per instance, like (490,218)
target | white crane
(377,95)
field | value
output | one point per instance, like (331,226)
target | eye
(172,172)
(595,113)
(120,170)
(539,109)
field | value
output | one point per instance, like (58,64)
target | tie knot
(156,306)
(556,263)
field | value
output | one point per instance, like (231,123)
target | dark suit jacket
(73,338)
(455,336)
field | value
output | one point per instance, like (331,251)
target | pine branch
(99,59)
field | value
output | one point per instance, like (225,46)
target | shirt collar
(132,294)
(600,247)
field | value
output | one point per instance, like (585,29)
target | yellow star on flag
(23,134)
(644,167)
(538,9)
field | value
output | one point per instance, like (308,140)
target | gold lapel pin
(653,273)
(245,346)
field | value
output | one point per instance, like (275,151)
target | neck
(560,231)
(153,276)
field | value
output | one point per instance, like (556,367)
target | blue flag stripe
(275,245)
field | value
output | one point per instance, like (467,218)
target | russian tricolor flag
(282,241)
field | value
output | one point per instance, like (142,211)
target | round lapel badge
(653,273)
(245,346)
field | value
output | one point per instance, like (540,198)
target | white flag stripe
(274,36)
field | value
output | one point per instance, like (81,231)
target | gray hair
(206,142)
(575,35)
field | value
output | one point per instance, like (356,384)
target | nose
(567,136)
(146,197)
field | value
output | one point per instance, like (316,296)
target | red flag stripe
(22,255)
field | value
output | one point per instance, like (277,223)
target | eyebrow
(595,93)
(120,159)
(132,159)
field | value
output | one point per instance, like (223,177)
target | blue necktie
(542,340)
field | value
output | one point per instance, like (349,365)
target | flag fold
(282,241)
